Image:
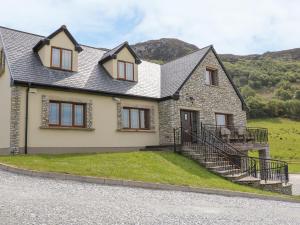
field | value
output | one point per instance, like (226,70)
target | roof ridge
(188,54)
(42,36)
(21,31)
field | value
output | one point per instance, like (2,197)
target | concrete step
(250,181)
(221,167)
(209,164)
(228,172)
(236,176)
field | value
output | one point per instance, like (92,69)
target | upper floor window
(66,114)
(61,58)
(211,76)
(135,118)
(125,71)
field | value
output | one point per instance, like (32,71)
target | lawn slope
(160,167)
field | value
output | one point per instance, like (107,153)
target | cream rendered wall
(109,66)
(104,122)
(5,97)
(61,40)
(112,65)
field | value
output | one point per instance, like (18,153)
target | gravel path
(30,200)
(295,180)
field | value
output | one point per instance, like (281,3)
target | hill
(269,82)
(163,50)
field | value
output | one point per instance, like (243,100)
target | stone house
(58,96)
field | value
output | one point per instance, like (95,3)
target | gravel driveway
(29,200)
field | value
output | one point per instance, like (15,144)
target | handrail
(248,134)
(269,169)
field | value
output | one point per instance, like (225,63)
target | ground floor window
(67,114)
(224,119)
(135,118)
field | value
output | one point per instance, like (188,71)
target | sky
(232,26)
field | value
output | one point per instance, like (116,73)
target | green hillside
(284,139)
(271,87)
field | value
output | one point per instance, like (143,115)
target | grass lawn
(284,139)
(160,167)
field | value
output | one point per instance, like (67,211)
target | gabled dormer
(59,50)
(121,63)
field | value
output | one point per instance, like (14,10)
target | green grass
(159,167)
(284,139)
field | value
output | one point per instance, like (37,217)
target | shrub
(297,95)
(283,94)
(257,107)
(293,109)
(247,92)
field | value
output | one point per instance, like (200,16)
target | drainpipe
(26,120)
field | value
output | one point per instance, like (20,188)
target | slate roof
(154,81)
(111,54)
(174,73)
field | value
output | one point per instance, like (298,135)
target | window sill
(58,68)
(136,130)
(211,85)
(132,81)
(68,128)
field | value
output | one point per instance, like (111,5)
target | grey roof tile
(154,81)
(174,73)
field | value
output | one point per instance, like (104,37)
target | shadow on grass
(187,165)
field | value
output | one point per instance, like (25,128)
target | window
(211,76)
(125,71)
(134,118)
(66,114)
(61,58)
(224,119)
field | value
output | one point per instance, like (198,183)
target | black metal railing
(239,134)
(216,151)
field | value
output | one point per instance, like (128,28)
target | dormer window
(61,58)
(125,71)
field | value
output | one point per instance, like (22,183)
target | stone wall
(205,99)
(15,119)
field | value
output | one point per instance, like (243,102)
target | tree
(283,94)
(257,107)
(297,95)
(247,92)
(293,109)
(276,108)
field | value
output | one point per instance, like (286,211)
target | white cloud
(233,26)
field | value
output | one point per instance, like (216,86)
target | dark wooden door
(189,125)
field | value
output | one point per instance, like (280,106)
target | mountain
(268,81)
(163,50)
(166,49)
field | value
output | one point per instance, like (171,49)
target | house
(58,96)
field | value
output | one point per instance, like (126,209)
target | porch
(241,137)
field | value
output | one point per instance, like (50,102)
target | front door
(188,125)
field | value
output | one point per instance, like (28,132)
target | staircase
(223,159)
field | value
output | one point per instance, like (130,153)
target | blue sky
(232,26)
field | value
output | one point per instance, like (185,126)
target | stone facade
(15,119)
(202,98)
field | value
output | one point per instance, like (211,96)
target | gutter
(80,90)
(26,119)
